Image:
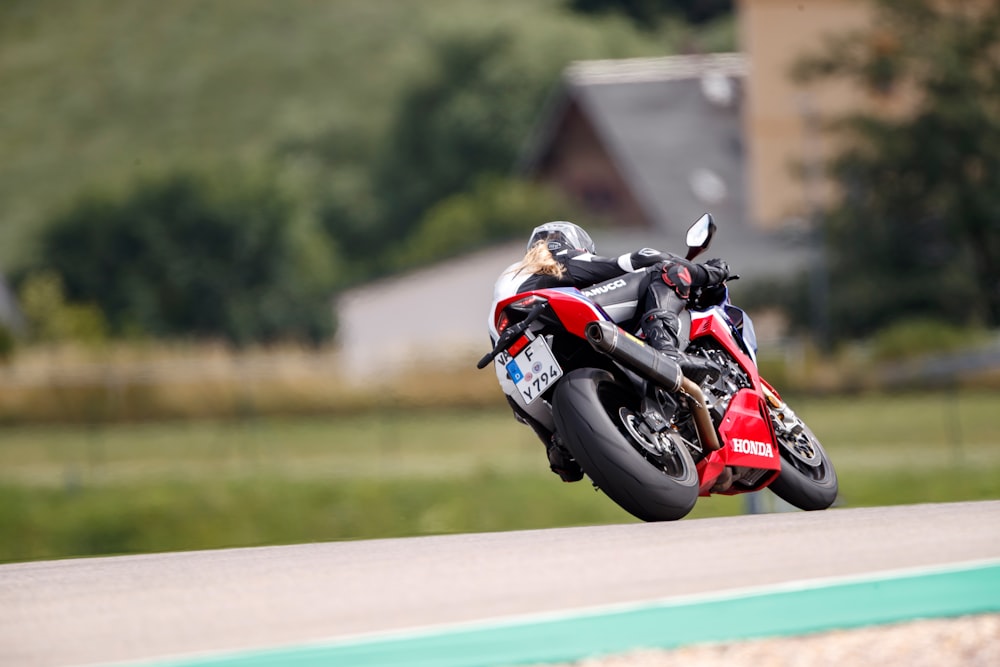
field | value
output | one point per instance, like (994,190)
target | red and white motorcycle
(649,442)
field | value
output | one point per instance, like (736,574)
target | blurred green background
(66,491)
(186,186)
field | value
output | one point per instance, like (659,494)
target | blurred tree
(50,318)
(648,14)
(8,343)
(465,120)
(917,231)
(462,116)
(185,255)
(496,208)
(333,174)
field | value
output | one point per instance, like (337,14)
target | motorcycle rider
(562,254)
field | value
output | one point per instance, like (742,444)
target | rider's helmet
(561,235)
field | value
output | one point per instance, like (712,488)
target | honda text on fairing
(649,438)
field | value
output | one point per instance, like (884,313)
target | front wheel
(651,477)
(807,479)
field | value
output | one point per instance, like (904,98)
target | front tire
(807,479)
(597,419)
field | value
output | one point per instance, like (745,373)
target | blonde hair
(539,261)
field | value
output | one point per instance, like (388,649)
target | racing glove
(717,270)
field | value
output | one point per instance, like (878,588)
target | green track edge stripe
(780,611)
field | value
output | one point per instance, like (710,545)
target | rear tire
(596,417)
(807,479)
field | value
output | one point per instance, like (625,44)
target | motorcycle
(651,439)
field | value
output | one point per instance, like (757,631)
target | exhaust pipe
(629,351)
(612,340)
(702,420)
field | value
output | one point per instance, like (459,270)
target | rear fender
(574,310)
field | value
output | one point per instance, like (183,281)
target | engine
(732,379)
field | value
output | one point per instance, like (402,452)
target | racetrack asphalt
(167,606)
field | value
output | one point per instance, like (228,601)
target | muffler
(628,350)
(631,352)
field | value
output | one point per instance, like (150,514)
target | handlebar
(487,358)
(509,334)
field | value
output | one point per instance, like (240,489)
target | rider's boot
(561,462)
(660,330)
(700,369)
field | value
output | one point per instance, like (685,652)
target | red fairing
(710,324)
(772,389)
(574,310)
(747,439)
(746,434)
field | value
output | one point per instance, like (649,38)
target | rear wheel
(653,477)
(807,479)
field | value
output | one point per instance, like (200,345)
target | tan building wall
(774,34)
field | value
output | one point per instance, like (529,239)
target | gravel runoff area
(969,641)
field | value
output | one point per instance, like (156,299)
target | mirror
(699,235)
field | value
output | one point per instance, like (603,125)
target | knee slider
(678,277)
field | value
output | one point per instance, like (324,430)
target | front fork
(783,415)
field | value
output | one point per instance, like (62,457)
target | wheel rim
(658,449)
(802,450)
(803,447)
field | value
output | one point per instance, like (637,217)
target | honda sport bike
(651,439)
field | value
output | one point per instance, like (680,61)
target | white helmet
(562,235)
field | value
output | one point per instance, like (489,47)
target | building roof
(434,314)
(673,126)
(665,68)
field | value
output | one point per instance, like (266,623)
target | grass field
(72,491)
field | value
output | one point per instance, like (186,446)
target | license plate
(533,369)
